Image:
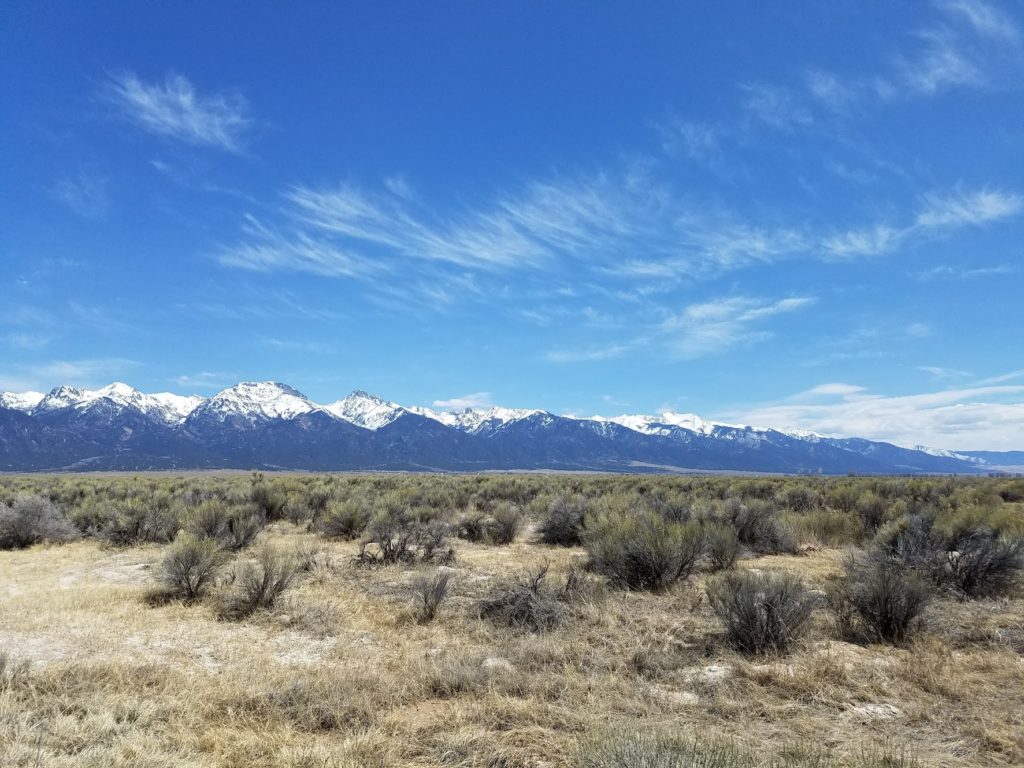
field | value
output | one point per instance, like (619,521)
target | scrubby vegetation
(510,620)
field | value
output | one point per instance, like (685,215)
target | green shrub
(32,520)
(722,546)
(762,612)
(643,550)
(135,521)
(232,527)
(506,523)
(268,499)
(879,599)
(395,537)
(984,564)
(564,522)
(257,584)
(344,519)
(757,526)
(190,566)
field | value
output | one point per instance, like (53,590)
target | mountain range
(269,425)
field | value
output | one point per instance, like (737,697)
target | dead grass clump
(762,612)
(430,592)
(257,584)
(529,602)
(32,520)
(641,749)
(878,600)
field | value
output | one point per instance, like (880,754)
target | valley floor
(341,674)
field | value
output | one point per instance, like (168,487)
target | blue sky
(788,214)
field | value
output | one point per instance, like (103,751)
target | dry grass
(341,673)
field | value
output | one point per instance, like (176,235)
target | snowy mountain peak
(20,401)
(258,400)
(365,410)
(118,396)
(60,397)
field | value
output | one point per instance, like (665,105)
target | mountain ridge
(270,425)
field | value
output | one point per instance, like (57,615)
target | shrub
(643,550)
(564,522)
(879,599)
(232,528)
(915,544)
(983,564)
(260,582)
(757,526)
(344,520)
(190,566)
(430,592)
(762,612)
(722,546)
(135,520)
(472,526)
(32,520)
(506,524)
(394,537)
(528,603)
(270,502)
(871,509)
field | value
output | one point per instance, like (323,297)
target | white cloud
(588,355)
(945,271)
(84,193)
(474,400)
(937,214)
(974,418)
(207,380)
(986,19)
(835,388)
(93,372)
(939,372)
(173,108)
(712,327)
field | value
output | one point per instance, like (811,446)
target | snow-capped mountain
(272,425)
(255,401)
(20,401)
(166,407)
(365,410)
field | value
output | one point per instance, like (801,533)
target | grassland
(105,664)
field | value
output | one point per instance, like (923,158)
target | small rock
(497,664)
(867,712)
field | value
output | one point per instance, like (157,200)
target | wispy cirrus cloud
(85,193)
(173,108)
(592,354)
(948,272)
(938,214)
(713,327)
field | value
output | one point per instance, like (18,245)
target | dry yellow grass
(341,673)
